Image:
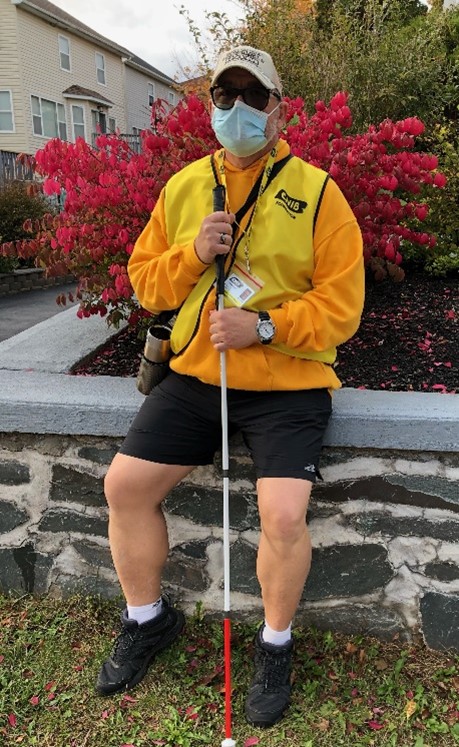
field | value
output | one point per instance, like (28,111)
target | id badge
(240,286)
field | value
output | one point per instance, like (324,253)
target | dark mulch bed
(408,340)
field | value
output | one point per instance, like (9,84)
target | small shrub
(19,202)
(443,217)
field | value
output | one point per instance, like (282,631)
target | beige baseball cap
(257,62)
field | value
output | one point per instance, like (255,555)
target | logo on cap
(246,55)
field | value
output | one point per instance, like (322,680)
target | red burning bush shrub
(110,191)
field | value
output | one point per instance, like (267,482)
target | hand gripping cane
(219,204)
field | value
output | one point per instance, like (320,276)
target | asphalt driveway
(20,311)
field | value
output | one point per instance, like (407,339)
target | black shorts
(180,423)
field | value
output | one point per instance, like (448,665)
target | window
(111,124)
(48,118)
(100,68)
(64,52)
(78,122)
(171,97)
(6,112)
(151,94)
(99,121)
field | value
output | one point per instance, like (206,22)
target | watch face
(265,330)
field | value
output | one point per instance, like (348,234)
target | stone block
(70,485)
(347,571)
(440,615)
(13,473)
(93,585)
(371,620)
(433,492)
(11,516)
(24,569)
(93,554)
(203,506)
(442,571)
(243,568)
(391,526)
(55,520)
(186,566)
(98,455)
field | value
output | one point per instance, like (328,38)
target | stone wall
(384,527)
(29,279)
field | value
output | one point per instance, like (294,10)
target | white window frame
(62,52)
(111,124)
(59,121)
(100,69)
(171,98)
(96,115)
(78,124)
(10,110)
(151,94)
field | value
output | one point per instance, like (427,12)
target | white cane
(219,204)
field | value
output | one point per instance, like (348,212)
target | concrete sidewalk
(20,311)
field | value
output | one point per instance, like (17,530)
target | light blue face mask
(241,129)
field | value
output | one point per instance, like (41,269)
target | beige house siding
(10,78)
(38,44)
(30,66)
(138,111)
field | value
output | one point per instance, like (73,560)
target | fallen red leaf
(128,699)
(251,741)
(12,720)
(375,725)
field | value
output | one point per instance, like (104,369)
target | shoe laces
(271,669)
(122,649)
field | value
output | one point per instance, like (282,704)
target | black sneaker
(136,647)
(269,693)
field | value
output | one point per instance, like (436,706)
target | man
(295,259)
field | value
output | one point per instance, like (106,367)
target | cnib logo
(293,204)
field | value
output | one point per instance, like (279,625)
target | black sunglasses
(255,96)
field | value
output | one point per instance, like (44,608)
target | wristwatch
(266,329)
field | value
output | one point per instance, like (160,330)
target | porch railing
(11,169)
(132,140)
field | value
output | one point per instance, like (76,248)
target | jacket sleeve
(328,314)
(162,276)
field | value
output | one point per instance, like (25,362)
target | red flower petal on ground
(251,741)
(12,720)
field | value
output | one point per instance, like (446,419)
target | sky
(154,31)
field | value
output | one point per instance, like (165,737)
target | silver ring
(223,238)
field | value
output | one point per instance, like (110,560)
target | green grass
(348,690)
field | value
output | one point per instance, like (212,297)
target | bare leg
(284,553)
(135,489)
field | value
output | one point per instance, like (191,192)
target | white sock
(276,637)
(146,612)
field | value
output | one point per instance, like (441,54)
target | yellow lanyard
(263,184)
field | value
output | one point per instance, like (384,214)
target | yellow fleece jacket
(326,316)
